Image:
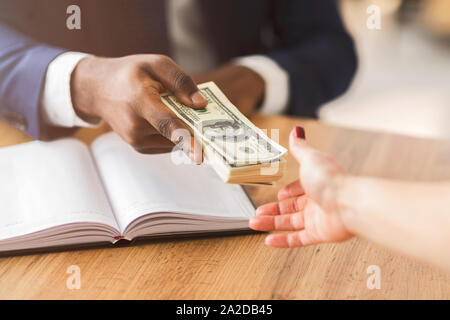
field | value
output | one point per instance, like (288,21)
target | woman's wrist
(347,201)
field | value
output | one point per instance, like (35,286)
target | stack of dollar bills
(234,147)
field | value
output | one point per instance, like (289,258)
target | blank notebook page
(48,184)
(138,184)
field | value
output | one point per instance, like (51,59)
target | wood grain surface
(241,267)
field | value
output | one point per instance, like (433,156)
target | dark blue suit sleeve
(23,64)
(315,50)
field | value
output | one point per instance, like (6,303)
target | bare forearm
(412,218)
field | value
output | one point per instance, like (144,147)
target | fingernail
(179,141)
(299,132)
(198,99)
(195,159)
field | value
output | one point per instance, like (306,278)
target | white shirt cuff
(276,96)
(56,103)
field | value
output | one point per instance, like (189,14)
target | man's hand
(243,86)
(307,206)
(125,92)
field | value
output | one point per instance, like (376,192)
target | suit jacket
(305,37)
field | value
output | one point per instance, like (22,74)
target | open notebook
(62,193)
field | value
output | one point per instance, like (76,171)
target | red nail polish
(299,132)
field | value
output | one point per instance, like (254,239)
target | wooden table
(241,267)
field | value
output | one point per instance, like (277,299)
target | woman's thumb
(297,144)
(317,170)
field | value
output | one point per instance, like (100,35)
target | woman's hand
(328,205)
(307,206)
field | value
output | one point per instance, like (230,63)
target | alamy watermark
(373,21)
(374,280)
(73,21)
(73,282)
(237,146)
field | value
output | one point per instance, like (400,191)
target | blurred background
(403,81)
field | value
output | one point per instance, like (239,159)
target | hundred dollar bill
(224,129)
